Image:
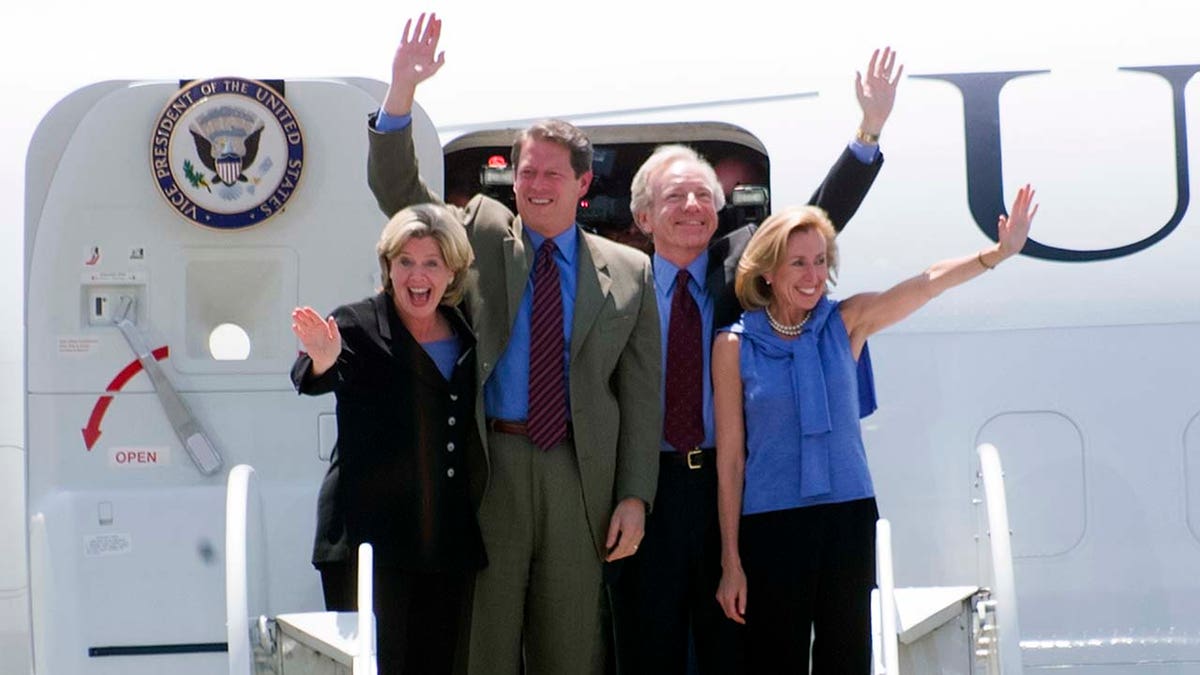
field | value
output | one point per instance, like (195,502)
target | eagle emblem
(227,152)
(226,139)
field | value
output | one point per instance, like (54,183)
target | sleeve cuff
(861,151)
(385,123)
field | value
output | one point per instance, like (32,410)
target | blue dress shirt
(506,392)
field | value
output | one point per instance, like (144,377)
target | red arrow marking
(91,433)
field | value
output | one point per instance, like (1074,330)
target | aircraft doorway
(478,163)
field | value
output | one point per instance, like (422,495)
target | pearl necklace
(789,331)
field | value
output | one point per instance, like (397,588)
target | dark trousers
(810,570)
(418,616)
(669,587)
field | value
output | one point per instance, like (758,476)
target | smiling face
(546,187)
(682,215)
(419,277)
(798,281)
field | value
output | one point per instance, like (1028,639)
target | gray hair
(641,196)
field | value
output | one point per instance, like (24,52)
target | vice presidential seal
(227,153)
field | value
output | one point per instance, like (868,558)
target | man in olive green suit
(555,509)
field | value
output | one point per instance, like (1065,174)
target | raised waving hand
(417,59)
(876,91)
(320,337)
(1013,229)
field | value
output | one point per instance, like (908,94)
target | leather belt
(513,427)
(508,427)
(696,458)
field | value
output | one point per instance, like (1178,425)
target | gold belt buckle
(695,458)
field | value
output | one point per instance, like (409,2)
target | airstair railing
(885,650)
(245,558)
(364,661)
(995,627)
(250,629)
(1000,636)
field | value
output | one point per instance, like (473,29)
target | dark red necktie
(683,414)
(547,421)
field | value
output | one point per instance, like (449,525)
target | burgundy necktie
(547,421)
(683,416)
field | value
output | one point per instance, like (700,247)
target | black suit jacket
(405,474)
(840,195)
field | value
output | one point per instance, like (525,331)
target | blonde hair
(768,248)
(428,220)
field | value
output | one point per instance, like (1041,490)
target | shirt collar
(665,272)
(566,242)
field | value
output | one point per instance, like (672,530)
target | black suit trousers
(669,587)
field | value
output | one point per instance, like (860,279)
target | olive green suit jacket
(615,352)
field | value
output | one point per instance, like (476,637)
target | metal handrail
(887,659)
(1006,644)
(364,662)
(243,536)
(241,495)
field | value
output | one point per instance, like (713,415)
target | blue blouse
(802,401)
(444,353)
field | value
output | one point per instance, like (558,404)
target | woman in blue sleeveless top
(791,380)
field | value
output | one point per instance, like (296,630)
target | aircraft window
(229,342)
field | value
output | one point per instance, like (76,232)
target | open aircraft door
(170,228)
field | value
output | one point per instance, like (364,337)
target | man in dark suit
(569,402)
(668,590)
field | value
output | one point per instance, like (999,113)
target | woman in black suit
(402,365)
